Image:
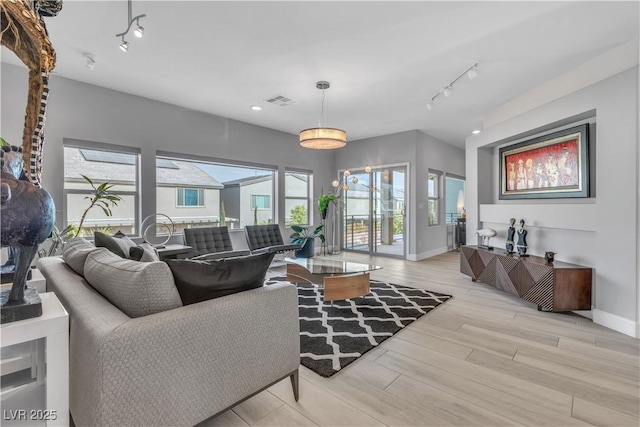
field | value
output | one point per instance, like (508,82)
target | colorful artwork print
(550,166)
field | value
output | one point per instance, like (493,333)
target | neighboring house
(118,169)
(248,198)
(185,193)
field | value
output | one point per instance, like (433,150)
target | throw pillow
(119,243)
(76,252)
(198,280)
(135,288)
(144,252)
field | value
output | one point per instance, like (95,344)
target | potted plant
(101,197)
(306,237)
(323,203)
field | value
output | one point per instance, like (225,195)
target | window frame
(436,198)
(448,175)
(308,199)
(202,202)
(254,199)
(181,157)
(100,146)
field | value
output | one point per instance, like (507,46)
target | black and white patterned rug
(331,337)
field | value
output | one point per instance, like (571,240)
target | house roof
(248,180)
(118,168)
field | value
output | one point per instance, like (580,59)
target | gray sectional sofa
(139,357)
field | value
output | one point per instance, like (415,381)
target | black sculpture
(522,240)
(28,216)
(511,232)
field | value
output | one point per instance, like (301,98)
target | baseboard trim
(617,323)
(428,254)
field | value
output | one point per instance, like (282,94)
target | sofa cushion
(76,252)
(200,280)
(144,252)
(136,288)
(119,243)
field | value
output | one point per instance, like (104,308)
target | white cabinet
(51,356)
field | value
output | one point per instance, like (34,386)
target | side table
(173,251)
(53,325)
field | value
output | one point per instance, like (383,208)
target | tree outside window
(297,191)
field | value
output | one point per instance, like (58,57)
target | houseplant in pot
(306,236)
(323,203)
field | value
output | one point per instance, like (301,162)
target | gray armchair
(211,243)
(267,238)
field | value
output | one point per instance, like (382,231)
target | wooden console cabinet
(559,286)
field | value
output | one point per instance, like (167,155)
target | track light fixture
(138,32)
(124,46)
(447,90)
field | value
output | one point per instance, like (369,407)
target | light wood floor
(482,358)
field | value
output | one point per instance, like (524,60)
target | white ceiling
(385,60)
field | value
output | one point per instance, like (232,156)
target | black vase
(549,256)
(306,251)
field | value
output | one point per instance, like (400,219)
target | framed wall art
(551,166)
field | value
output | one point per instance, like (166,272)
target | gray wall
(599,232)
(421,152)
(91,113)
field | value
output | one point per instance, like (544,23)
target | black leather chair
(210,243)
(267,238)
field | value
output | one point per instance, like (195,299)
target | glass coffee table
(340,279)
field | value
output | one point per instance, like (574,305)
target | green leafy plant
(302,234)
(100,198)
(323,203)
(58,240)
(4,142)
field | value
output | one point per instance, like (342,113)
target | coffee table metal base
(336,287)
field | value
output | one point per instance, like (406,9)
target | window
(297,189)
(201,193)
(190,197)
(119,166)
(433,206)
(260,201)
(454,197)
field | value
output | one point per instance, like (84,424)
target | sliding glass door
(374,212)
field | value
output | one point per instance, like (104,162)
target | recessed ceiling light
(256,107)
(476,131)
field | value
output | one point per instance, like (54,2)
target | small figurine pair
(521,244)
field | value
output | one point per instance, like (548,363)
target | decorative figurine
(522,240)
(511,232)
(548,256)
(28,215)
(484,234)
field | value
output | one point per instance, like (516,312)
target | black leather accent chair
(267,238)
(210,243)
